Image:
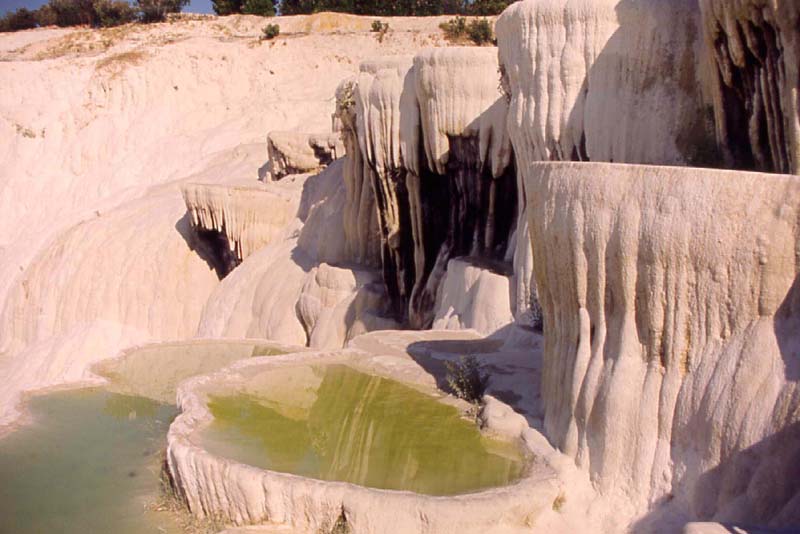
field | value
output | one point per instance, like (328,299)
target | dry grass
(132,57)
(169,501)
(559,502)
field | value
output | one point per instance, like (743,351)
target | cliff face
(672,331)
(755,48)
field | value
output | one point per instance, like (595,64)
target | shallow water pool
(336,423)
(88,463)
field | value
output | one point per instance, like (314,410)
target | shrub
(466,379)
(380,28)
(114,12)
(157,10)
(454,29)
(480,32)
(21,19)
(270,31)
(265,8)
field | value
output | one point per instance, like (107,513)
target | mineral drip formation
(755,47)
(432,135)
(671,302)
(298,153)
(237,220)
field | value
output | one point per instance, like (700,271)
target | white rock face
(292,291)
(605,80)
(247,217)
(601,80)
(472,296)
(132,275)
(360,213)
(672,332)
(297,152)
(94,121)
(755,47)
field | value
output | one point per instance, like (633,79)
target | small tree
(157,10)
(227,7)
(114,12)
(265,8)
(21,19)
(74,12)
(46,16)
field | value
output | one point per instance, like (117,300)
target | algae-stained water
(362,429)
(88,463)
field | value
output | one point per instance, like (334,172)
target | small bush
(380,28)
(480,32)
(21,19)
(270,31)
(466,379)
(454,29)
(265,8)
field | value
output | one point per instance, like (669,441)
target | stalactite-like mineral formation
(297,153)
(360,214)
(463,188)
(378,94)
(429,136)
(672,332)
(237,220)
(755,46)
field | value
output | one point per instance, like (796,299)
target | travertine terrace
(601,209)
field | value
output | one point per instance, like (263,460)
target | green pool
(336,423)
(89,462)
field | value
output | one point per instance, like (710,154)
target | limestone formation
(243,494)
(237,220)
(606,81)
(473,295)
(298,153)
(360,213)
(433,143)
(464,189)
(378,94)
(601,80)
(299,289)
(672,332)
(755,47)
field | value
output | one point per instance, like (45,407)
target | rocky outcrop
(754,46)
(672,332)
(301,288)
(432,143)
(238,220)
(298,153)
